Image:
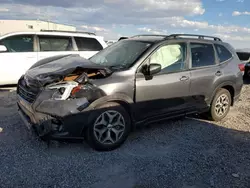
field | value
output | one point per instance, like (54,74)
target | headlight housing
(63,89)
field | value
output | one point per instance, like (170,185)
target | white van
(20,50)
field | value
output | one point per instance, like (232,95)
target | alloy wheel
(222,105)
(109,127)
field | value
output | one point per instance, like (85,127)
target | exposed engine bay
(83,75)
(78,84)
(69,76)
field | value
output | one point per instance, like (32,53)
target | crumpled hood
(55,68)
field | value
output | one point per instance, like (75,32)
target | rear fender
(221,85)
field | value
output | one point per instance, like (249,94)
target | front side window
(171,57)
(55,43)
(202,55)
(121,54)
(223,53)
(19,43)
(88,44)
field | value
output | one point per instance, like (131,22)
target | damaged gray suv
(136,81)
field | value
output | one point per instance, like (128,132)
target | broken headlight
(63,89)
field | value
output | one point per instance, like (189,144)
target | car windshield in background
(243,56)
(121,54)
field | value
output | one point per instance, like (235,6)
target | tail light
(242,67)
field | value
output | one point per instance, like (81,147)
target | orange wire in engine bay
(75,75)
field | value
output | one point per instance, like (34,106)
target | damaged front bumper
(54,119)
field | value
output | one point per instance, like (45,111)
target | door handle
(184,78)
(218,73)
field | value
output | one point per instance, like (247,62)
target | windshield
(121,54)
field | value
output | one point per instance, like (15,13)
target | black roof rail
(192,35)
(82,32)
(148,35)
(122,38)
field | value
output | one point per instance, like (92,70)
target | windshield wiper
(122,66)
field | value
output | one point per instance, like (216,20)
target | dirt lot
(186,153)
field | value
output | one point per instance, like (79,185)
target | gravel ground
(186,153)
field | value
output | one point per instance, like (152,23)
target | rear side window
(88,44)
(223,53)
(55,43)
(202,55)
(19,43)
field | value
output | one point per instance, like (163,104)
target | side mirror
(154,68)
(3,48)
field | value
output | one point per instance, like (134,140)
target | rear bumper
(238,88)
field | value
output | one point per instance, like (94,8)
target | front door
(167,92)
(18,58)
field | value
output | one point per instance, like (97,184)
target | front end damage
(56,104)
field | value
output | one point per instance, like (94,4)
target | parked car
(20,50)
(133,82)
(110,42)
(244,62)
(122,38)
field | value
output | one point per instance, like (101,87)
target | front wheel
(220,105)
(109,128)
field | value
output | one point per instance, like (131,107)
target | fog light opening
(60,128)
(57,125)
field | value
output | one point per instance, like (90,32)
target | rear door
(205,71)
(51,45)
(20,56)
(87,46)
(166,93)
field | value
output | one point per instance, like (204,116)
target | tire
(101,121)
(222,105)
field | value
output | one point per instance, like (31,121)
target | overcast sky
(228,19)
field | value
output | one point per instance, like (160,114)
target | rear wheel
(109,128)
(220,105)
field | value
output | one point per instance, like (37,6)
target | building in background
(7,26)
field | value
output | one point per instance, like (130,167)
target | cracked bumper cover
(55,119)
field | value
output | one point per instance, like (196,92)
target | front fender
(108,98)
(91,110)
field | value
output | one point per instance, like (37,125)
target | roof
(157,38)
(61,33)
(148,38)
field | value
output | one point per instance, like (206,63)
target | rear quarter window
(223,53)
(88,44)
